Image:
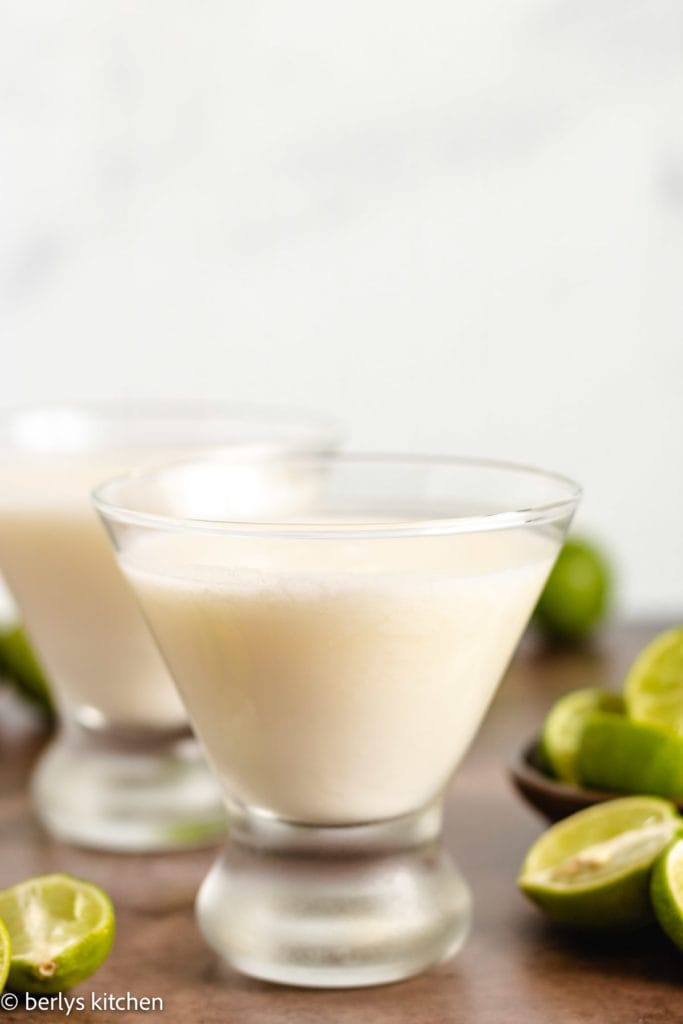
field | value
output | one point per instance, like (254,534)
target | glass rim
(531,514)
(110,414)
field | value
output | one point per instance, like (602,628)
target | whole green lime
(577,594)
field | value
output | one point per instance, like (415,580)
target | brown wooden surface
(514,968)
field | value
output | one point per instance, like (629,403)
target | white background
(457,226)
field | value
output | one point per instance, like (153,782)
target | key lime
(654,684)
(623,756)
(20,665)
(592,870)
(666,890)
(5,955)
(564,724)
(576,595)
(61,930)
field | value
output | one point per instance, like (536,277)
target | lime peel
(564,724)
(666,891)
(18,661)
(622,756)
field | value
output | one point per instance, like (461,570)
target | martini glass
(124,771)
(336,660)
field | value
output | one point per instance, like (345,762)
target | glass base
(334,907)
(97,791)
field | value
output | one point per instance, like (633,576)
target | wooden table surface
(514,969)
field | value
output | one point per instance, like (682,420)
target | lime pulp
(654,684)
(592,870)
(61,930)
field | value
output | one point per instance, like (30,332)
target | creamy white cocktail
(336,659)
(336,683)
(94,644)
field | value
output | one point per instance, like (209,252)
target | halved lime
(622,756)
(61,929)
(592,870)
(654,684)
(5,954)
(564,724)
(666,891)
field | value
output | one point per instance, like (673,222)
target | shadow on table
(644,954)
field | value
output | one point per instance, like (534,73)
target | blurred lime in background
(19,666)
(577,595)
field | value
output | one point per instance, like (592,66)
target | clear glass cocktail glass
(124,771)
(336,660)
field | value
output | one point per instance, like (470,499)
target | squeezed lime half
(592,870)
(61,929)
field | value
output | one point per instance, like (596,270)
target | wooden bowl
(550,797)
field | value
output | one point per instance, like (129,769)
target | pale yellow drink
(76,605)
(337,681)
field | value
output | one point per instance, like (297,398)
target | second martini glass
(124,771)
